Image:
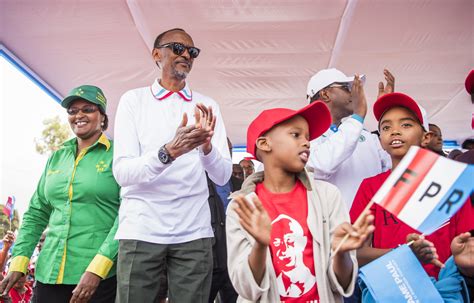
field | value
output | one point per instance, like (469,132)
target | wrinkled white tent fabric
(255,54)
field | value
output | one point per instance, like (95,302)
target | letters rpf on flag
(426,190)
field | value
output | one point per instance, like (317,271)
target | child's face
(436,142)
(20,283)
(399,130)
(289,144)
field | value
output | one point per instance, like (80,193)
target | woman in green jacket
(78,199)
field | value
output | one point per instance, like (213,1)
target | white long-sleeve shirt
(164,203)
(347,155)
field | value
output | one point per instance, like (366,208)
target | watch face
(163,156)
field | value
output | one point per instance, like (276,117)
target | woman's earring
(102,123)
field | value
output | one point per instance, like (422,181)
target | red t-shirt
(390,231)
(291,243)
(20,298)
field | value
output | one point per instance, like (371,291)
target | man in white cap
(346,153)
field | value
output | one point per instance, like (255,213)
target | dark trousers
(221,284)
(141,266)
(356,297)
(62,293)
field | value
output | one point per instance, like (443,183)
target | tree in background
(53,136)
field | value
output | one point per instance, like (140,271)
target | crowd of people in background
(161,213)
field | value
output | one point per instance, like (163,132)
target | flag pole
(357,222)
(423,234)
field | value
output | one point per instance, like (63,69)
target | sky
(23,107)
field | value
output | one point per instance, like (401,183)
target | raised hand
(358,97)
(462,248)
(389,87)
(424,250)
(358,233)
(205,119)
(187,138)
(8,240)
(254,219)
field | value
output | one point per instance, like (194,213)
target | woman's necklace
(22,298)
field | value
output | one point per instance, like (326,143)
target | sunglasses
(345,86)
(88,109)
(179,48)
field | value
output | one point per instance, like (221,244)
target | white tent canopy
(255,54)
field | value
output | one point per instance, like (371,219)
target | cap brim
(391,100)
(350,79)
(469,83)
(68,100)
(317,115)
(362,79)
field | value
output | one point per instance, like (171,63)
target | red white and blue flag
(425,189)
(9,207)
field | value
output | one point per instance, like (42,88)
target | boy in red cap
(402,124)
(469,84)
(283,224)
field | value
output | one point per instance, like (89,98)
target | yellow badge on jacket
(101,166)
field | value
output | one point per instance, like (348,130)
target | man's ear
(323,96)
(156,54)
(425,140)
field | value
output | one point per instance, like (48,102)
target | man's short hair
(467,143)
(246,160)
(316,97)
(160,36)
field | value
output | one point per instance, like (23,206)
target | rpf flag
(9,207)
(397,277)
(425,189)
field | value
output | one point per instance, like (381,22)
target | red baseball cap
(316,114)
(469,84)
(388,101)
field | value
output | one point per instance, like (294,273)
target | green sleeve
(35,220)
(107,254)
(110,246)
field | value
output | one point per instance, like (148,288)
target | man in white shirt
(347,153)
(166,137)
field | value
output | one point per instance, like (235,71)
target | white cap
(327,77)
(424,114)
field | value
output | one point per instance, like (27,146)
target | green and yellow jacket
(78,199)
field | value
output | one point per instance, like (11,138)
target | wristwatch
(164,155)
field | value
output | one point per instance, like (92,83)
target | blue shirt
(224,192)
(335,128)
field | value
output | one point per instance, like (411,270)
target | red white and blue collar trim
(160,93)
